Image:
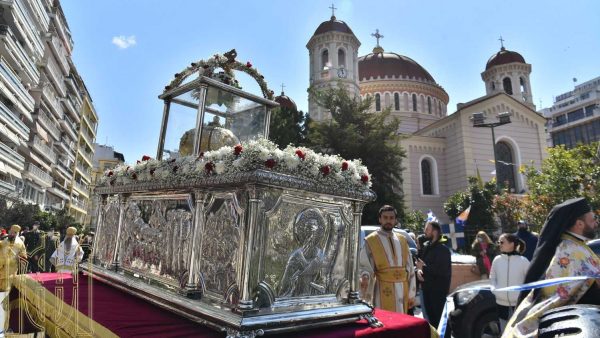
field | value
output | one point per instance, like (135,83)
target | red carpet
(128,316)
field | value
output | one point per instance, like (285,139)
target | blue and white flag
(456,234)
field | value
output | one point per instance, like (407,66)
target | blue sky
(451,39)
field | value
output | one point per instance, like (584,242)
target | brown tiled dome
(286,102)
(503,57)
(392,65)
(333,25)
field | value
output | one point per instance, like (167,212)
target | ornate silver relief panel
(107,236)
(155,237)
(305,252)
(220,247)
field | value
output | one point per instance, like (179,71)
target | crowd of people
(390,277)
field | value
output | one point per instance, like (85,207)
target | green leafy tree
(565,173)
(481,199)
(354,132)
(288,126)
(509,209)
(17,212)
(414,221)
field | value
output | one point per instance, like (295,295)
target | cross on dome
(333,8)
(282,86)
(377,36)
(501,42)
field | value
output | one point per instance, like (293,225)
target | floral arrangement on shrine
(330,170)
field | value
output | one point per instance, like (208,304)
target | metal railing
(44,149)
(29,27)
(39,173)
(12,155)
(56,74)
(24,59)
(62,53)
(15,83)
(52,100)
(7,186)
(79,204)
(9,118)
(50,125)
(81,187)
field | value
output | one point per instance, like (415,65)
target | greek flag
(431,216)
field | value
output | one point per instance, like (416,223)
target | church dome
(333,25)
(503,57)
(286,102)
(382,64)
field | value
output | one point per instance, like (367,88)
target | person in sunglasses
(508,269)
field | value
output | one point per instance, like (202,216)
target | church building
(443,149)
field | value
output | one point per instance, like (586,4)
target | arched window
(341,58)
(505,167)
(414,99)
(440,108)
(377,102)
(493,85)
(523,85)
(396,101)
(507,84)
(426,177)
(324,59)
(429,104)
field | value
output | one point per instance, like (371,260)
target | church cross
(332,10)
(501,41)
(282,86)
(377,36)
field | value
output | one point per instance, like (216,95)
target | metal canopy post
(200,118)
(163,129)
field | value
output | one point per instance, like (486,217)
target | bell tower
(333,58)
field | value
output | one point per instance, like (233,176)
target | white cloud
(123,41)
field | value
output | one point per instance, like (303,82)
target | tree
(354,132)
(414,221)
(565,174)
(481,198)
(288,126)
(25,214)
(509,209)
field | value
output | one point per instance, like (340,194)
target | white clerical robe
(66,260)
(398,271)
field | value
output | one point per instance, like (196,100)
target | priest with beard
(561,252)
(68,254)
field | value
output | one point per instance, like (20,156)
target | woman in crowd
(508,269)
(484,251)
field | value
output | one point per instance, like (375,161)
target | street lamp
(479,122)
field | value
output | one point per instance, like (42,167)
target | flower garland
(228,64)
(330,170)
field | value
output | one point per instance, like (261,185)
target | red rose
(365,179)
(112,182)
(110,173)
(344,166)
(248,64)
(134,176)
(146,158)
(209,167)
(237,150)
(172,160)
(300,154)
(325,170)
(270,163)
(201,155)
(175,168)
(152,171)
(138,162)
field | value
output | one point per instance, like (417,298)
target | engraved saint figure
(304,266)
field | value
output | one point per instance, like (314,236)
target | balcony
(55,75)
(91,126)
(49,124)
(60,53)
(11,47)
(81,188)
(11,157)
(88,157)
(86,137)
(10,120)
(43,149)
(49,96)
(11,84)
(25,26)
(84,172)
(59,191)
(69,127)
(6,187)
(63,165)
(39,13)
(81,206)
(71,110)
(38,175)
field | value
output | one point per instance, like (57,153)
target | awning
(43,134)
(13,172)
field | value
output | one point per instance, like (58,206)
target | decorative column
(99,222)
(191,289)
(246,303)
(200,118)
(353,238)
(122,204)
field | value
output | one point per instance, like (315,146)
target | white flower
(238,163)
(220,167)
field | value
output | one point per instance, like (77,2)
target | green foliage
(509,209)
(288,126)
(25,214)
(565,173)
(356,133)
(414,221)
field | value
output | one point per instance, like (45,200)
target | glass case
(206,114)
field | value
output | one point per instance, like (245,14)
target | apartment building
(575,116)
(41,107)
(105,158)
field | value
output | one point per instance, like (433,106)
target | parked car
(474,313)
